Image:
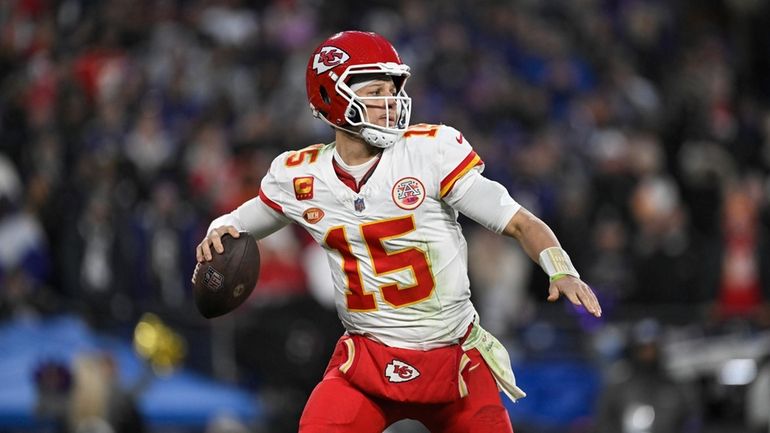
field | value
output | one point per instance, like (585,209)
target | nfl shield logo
(359,204)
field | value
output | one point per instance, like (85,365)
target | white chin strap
(379,138)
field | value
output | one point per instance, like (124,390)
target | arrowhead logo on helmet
(329,57)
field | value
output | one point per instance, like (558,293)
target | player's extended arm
(252,216)
(489,203)
(541,245)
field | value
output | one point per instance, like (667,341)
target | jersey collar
(349,180)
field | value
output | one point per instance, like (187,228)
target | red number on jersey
(384,262)
(336,239)
(298,157)
(408,258)
(422,129)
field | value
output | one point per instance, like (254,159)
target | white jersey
(396,251)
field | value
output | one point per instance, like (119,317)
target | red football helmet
(329,72)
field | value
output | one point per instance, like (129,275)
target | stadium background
(639,130)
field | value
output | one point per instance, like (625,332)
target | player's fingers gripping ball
(223,283)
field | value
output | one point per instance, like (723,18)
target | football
(222,284)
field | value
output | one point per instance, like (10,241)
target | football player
(382,199)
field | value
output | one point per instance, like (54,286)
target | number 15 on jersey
(383,262)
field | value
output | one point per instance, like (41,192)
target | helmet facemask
(397,108)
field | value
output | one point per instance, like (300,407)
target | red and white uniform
(396,251)
(399,264)
(395,248)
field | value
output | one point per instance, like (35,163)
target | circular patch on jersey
(313,215)
(408,193)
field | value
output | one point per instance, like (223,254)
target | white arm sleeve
(254,217)
(483,200)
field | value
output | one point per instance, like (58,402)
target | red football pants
(336,406)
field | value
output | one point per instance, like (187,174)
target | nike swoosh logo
(460,138)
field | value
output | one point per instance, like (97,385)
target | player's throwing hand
(203,250)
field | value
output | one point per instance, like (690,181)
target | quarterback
(382,199)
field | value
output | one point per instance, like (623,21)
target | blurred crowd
(638,129)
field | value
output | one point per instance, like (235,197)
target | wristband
(556,263)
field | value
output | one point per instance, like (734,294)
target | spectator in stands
(98,402)
(742,277)
(640,396)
